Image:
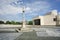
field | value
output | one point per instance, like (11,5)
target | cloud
(5,7)
(59,13)
(39,7)
(31,9)
(10,10)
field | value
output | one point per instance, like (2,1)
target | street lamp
(21,3)
(23,17)
(24,28)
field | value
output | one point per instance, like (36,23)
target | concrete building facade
(51,18)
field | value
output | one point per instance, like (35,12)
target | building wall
(49,20)
(46,20)
(58,20)
(41,20)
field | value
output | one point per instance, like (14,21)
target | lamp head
(23,11)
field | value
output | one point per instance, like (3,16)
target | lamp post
(24,28)
(23,17)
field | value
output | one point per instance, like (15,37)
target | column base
(24,30)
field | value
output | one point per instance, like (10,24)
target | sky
(12,9)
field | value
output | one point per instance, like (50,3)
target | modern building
(51,18)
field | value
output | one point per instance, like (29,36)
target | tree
(8,22)
(13,22)
(18,23)
(30,23)
(1,22)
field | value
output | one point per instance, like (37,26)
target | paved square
(37,34)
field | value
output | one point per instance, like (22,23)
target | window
(37,22)
(54,19)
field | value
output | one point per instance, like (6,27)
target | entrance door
(37,22)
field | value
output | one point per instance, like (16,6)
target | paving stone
(28,36)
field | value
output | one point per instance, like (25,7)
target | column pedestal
(24,28)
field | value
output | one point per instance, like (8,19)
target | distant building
(51,18)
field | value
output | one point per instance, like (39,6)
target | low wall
(8,25)
(3,25)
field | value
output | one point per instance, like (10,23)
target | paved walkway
(37,34)
(28,36)
(33,36)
